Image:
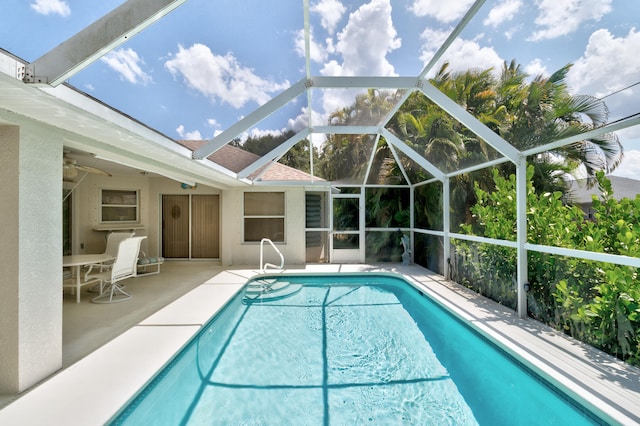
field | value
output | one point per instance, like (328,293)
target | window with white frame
(119,206)
(264,216)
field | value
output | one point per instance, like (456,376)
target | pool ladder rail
(269,289)
(264,266)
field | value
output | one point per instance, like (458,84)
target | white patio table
(76,262)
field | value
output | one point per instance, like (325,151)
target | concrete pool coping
(92,390)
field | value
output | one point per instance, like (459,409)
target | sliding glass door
(191,226)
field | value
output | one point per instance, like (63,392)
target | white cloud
(630,137)
(261,133)
(212,122)
(330,12)
(508,34)
(559,18)
(221,77)
(301,121)
(127,63)
(503,12)
(444,11)
(535,68)
(51,7)
(217,127)
(629,166)
(89,87)
(460,54)
(318,53)
(364,51)
(195,135)
(433,39)
(608,63)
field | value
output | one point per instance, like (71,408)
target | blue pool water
(356,350)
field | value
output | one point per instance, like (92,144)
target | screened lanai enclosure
(446,123)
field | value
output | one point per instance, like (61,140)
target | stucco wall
(240,253)
(30,279)
(233,251)
(86,210)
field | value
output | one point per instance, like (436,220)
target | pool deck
(92,390)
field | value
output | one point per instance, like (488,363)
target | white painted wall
(86,210)
(233,251)
(236,252)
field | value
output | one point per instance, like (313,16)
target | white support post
(446,224)
(412,221)
(362,220)
(521,238)
(31,252)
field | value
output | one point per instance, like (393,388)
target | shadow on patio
(87,326)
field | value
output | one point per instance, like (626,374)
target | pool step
(265,285)
(264,290)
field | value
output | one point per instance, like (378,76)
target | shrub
(596,302)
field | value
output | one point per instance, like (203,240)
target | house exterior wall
(237,252)
(150,189)
(233,249)
(86,210)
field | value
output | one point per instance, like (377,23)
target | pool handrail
(264,266)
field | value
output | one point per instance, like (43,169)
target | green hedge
(595,302)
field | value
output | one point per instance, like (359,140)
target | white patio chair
(124,266)
(113,241)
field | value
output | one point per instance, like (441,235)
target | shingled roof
(236,159)
(622,188)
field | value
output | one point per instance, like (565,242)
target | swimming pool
(357,349)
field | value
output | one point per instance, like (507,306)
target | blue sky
(209,63)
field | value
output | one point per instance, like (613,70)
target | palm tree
(346,156)
(543,111)
(526,115)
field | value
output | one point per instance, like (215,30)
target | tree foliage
(596,302)
(296,157)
